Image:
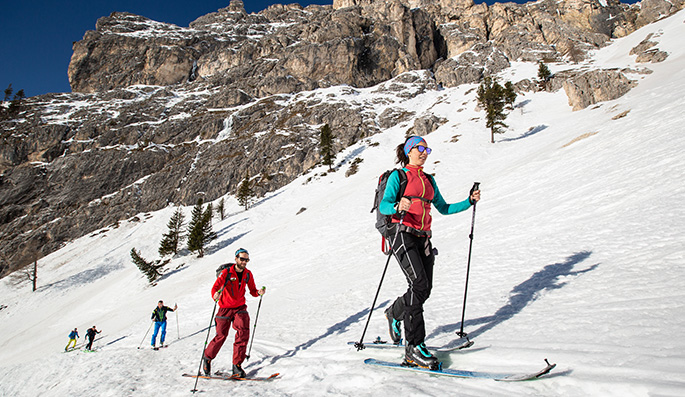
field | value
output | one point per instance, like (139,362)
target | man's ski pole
(146,332)
(178,328)
(199,368)
(247,357)
(360,345)
(461,332)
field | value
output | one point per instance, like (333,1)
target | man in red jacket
(229,291)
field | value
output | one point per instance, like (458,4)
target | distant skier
(73,335)
(90,334)
(159,317)
(412,248)
(229,291)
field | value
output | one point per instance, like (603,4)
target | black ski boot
(394,326)
(420,356)
(238,371)
(207,366)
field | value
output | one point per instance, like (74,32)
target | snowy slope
(578,257)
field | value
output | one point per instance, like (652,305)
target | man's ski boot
(238,371)
(207,366)
(394,326)
(420,356)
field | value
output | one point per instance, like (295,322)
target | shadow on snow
(522,295)
(338,328)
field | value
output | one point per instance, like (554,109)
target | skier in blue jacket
(73,335)
(159,317)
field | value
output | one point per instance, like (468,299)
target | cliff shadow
(522,295)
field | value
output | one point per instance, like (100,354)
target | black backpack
(384,222)
(221,269)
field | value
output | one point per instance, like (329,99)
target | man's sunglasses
(243,259)
(422,149)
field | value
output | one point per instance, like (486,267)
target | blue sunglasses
(421,149)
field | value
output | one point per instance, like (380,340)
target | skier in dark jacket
(229,291)
(90,334)
(412,248)
(159,317)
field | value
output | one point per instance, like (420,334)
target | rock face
(646,51)
(595,86)
(164,114)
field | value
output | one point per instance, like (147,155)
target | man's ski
(503,377)
(222,376)
(381,344)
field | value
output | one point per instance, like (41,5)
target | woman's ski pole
(461,332)
(247,357)
(360,345)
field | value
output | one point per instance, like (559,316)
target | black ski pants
(416,259)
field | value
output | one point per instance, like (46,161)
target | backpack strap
(403,183)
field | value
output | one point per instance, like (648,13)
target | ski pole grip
(476,186)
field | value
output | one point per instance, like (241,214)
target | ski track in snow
(577,257)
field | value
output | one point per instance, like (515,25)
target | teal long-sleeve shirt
(417,178)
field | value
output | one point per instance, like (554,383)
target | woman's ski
(503,377)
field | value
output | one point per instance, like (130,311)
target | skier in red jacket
(229,291)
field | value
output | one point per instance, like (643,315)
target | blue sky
(36,36)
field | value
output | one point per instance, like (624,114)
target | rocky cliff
(164,114)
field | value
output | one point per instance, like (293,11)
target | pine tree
(220,209)
(207,231)
(245,192)
(543,75)
(174,236)
(327,146)
(149,269)
(195,237)
(200,231)
(8,92)
(509,95)
(494,98)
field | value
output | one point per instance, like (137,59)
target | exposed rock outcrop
(595,86)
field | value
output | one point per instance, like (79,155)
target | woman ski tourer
(412,246)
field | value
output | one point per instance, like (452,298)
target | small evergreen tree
(494,98)
(327,146)
(16,101)
(209,212)
(220,209)
(195,237)
(509,95)
(149,269)
(245,192)
(207,231)
(8,92)
(543,75)
(174,236)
